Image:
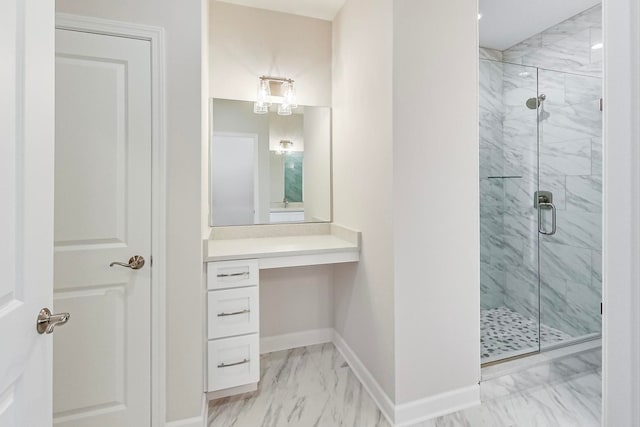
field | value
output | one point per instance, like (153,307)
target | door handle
(46,321)
(554,228)
(136,262)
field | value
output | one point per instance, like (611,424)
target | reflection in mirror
(267,168)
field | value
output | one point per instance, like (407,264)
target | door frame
(621,216)
(156,38)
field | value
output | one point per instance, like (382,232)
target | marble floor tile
(314,387)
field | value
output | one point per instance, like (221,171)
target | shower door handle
(554,228)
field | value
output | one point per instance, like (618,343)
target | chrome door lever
(47,322)
(136,262)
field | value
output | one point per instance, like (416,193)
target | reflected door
(234,175)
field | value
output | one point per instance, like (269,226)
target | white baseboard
(294,340)
(367,380)
(188,422)
(411,413)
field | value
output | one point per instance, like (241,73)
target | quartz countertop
(335,241)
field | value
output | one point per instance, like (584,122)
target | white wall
(317,164)
(182,22)
(246,43)
(435,185)
(295,299)
(362,175)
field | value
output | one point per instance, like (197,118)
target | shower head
(534,103)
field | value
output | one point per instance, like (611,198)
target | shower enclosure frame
(543,201)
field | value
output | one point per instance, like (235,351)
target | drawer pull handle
(246,273)
(224,365)
(236,313)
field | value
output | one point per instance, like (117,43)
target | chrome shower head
(534,103)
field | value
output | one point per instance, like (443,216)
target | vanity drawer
(232,274)
(233,312)
(233,362)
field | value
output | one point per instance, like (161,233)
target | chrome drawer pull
(224,365)
(246,273)
(236,313)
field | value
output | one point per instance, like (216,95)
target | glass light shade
(264,92)
(260,108)
(284,110)
(289,92)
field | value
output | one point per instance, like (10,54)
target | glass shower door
(570,179)
(508,220)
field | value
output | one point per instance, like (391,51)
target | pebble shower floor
(506,333)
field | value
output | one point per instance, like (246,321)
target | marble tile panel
(584,193)
(552,85)
(596,54)
(571,122)
(491,54)
(491,286)
(566,158)
(553,301)
(577,229)
(491,135)
(515,53)
(596,156)
(580,89)
(557,185)
(513,251)
(565,262)
(519,192)
(596,270)
(491,162)
(492,192)
(521,223)
(564,55)
(521,291)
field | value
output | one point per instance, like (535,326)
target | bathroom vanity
(233,259)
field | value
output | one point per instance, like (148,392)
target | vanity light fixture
(285,147)
(275,90)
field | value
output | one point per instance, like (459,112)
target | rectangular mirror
(268,168)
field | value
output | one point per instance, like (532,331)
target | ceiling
(321,9)
(506,23)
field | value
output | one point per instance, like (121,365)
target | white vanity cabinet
(232,268)
(233,324)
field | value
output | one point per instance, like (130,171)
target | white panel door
(233,179)
(101,369)
(26,209)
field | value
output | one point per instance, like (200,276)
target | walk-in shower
(541,192)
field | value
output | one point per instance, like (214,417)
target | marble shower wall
(570,155)
(492,281)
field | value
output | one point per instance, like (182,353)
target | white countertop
(311,249)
